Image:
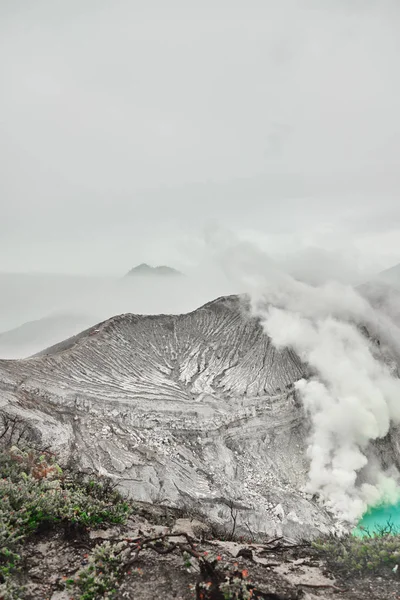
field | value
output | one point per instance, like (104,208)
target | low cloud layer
(128,126)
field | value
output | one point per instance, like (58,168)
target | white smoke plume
(353,394)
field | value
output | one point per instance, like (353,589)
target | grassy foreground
(35,494)
(377,553)
(39,499)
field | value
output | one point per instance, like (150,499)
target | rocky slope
(196,411)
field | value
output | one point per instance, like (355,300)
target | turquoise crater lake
(378,518)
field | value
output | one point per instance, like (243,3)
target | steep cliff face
(197,410)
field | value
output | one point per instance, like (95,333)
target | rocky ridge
(196,411)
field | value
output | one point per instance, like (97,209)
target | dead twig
(167,544)
(142,543)
(234,515)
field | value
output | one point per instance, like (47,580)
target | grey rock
(104,534)
(60,595)
(192,527)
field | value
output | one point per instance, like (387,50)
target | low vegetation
(109,562)
(376,553)
(36,494)
(99,578)
(39,498)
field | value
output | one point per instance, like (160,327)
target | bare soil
(272,571)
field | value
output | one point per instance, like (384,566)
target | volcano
(197,411)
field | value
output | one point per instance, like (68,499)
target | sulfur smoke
(352,396)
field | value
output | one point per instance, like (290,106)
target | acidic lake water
(377,518)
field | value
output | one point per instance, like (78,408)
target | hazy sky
(128,127)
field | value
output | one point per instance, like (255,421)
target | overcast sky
(130,127)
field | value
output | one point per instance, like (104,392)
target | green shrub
(100,577)
(35,493)
(374,553)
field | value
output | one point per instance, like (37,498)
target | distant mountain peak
(145,269)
